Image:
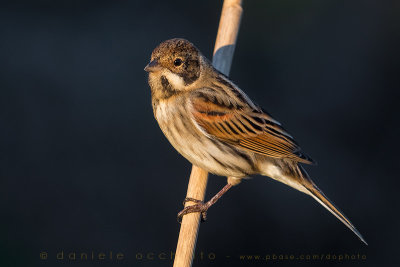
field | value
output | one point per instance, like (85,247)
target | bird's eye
(177,62)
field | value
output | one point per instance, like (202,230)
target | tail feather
(318,195)
(295,176)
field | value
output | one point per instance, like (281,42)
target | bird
(213,124)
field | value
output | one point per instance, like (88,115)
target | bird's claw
(192,200)
(199,207)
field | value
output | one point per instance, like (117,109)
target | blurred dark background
(84,166)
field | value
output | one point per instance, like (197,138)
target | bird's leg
(203,207)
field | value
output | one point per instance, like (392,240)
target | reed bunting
(216,126)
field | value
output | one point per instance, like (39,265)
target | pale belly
(208,153)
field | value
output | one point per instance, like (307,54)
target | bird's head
(175,62)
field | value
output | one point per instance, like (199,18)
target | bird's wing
(242,124)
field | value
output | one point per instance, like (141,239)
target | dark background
(84,166)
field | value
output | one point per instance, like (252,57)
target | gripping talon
(201,207)
(192,200)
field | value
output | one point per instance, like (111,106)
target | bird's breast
(175,122)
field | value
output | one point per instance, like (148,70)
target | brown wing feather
(243,126)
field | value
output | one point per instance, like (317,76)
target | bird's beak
(153,66)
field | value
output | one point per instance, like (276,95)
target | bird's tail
(318,195)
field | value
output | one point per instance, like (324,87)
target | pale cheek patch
(175,80)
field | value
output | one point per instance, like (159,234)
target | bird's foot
(199,207)
(192,200)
